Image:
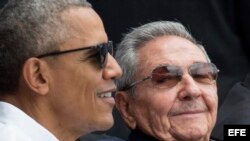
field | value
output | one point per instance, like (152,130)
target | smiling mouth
(188,113)
(105,95)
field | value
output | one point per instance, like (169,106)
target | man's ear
(123,105)
(35,75)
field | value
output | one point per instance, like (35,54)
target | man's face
(184,111)
(80,90)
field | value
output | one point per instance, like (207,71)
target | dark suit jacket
(2,3)
(236,107)
(137,135)
(98,137)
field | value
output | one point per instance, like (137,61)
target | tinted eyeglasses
(102,55)
(166,76)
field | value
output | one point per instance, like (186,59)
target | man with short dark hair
(56,71)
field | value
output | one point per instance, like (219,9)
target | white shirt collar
(12,116)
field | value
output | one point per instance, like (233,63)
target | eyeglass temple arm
(135,83)
(64,52)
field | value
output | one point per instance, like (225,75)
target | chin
(193,134)
(105,124)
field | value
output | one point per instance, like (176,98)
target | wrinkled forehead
(171,50)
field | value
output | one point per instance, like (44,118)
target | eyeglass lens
(169,75)
(104,50)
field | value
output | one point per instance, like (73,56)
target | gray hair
(29,28)
(126,51)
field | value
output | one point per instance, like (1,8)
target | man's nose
(189,88)
(112,70)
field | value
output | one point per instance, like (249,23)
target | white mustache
(185,107)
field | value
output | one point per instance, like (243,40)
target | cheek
(211,100)
(77,86)
(152,110)
(86,81)
(155,100)
(162,103)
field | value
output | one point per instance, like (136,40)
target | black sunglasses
(102,49)
(166,76)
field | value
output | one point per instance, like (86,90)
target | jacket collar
(137,135)
(246,82)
